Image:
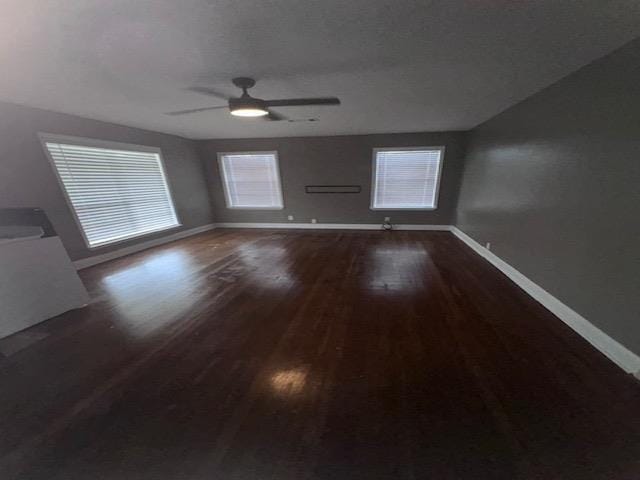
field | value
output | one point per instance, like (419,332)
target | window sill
(132,237)
(255,208)
(404,208)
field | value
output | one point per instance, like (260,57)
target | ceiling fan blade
(194,110)
(274,117)
(209,91)
(297,102)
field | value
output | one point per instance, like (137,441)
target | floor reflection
(268,265)
(396,269)
(289,383)
(166,285)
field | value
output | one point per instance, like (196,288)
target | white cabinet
(37,282)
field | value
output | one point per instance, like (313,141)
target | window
(251,180)
(406,178)
(115,193)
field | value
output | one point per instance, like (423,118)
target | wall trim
(332,226)
(617,353)
(121,252)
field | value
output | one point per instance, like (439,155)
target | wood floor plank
(243,354)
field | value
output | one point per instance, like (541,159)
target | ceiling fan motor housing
(246,102)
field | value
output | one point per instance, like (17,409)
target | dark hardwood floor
(242,354)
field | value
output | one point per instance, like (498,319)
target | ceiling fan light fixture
(247,107)
(249,112)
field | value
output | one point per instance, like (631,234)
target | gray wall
(27,178)
(345,160)
(554,184)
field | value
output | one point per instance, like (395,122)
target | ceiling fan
(247,106)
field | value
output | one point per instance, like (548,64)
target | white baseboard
(105,257)
(619,354)
(333,226)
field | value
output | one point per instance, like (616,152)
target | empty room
(296,239)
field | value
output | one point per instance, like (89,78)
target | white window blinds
(251,180)
(406,178)
(115,194)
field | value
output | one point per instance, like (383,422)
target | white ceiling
(397,65)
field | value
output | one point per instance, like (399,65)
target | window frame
(107,144)
(227,197)
(374,168)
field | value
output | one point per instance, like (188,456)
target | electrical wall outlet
(313,220)
(387,219)
(290,217)
(488,245)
